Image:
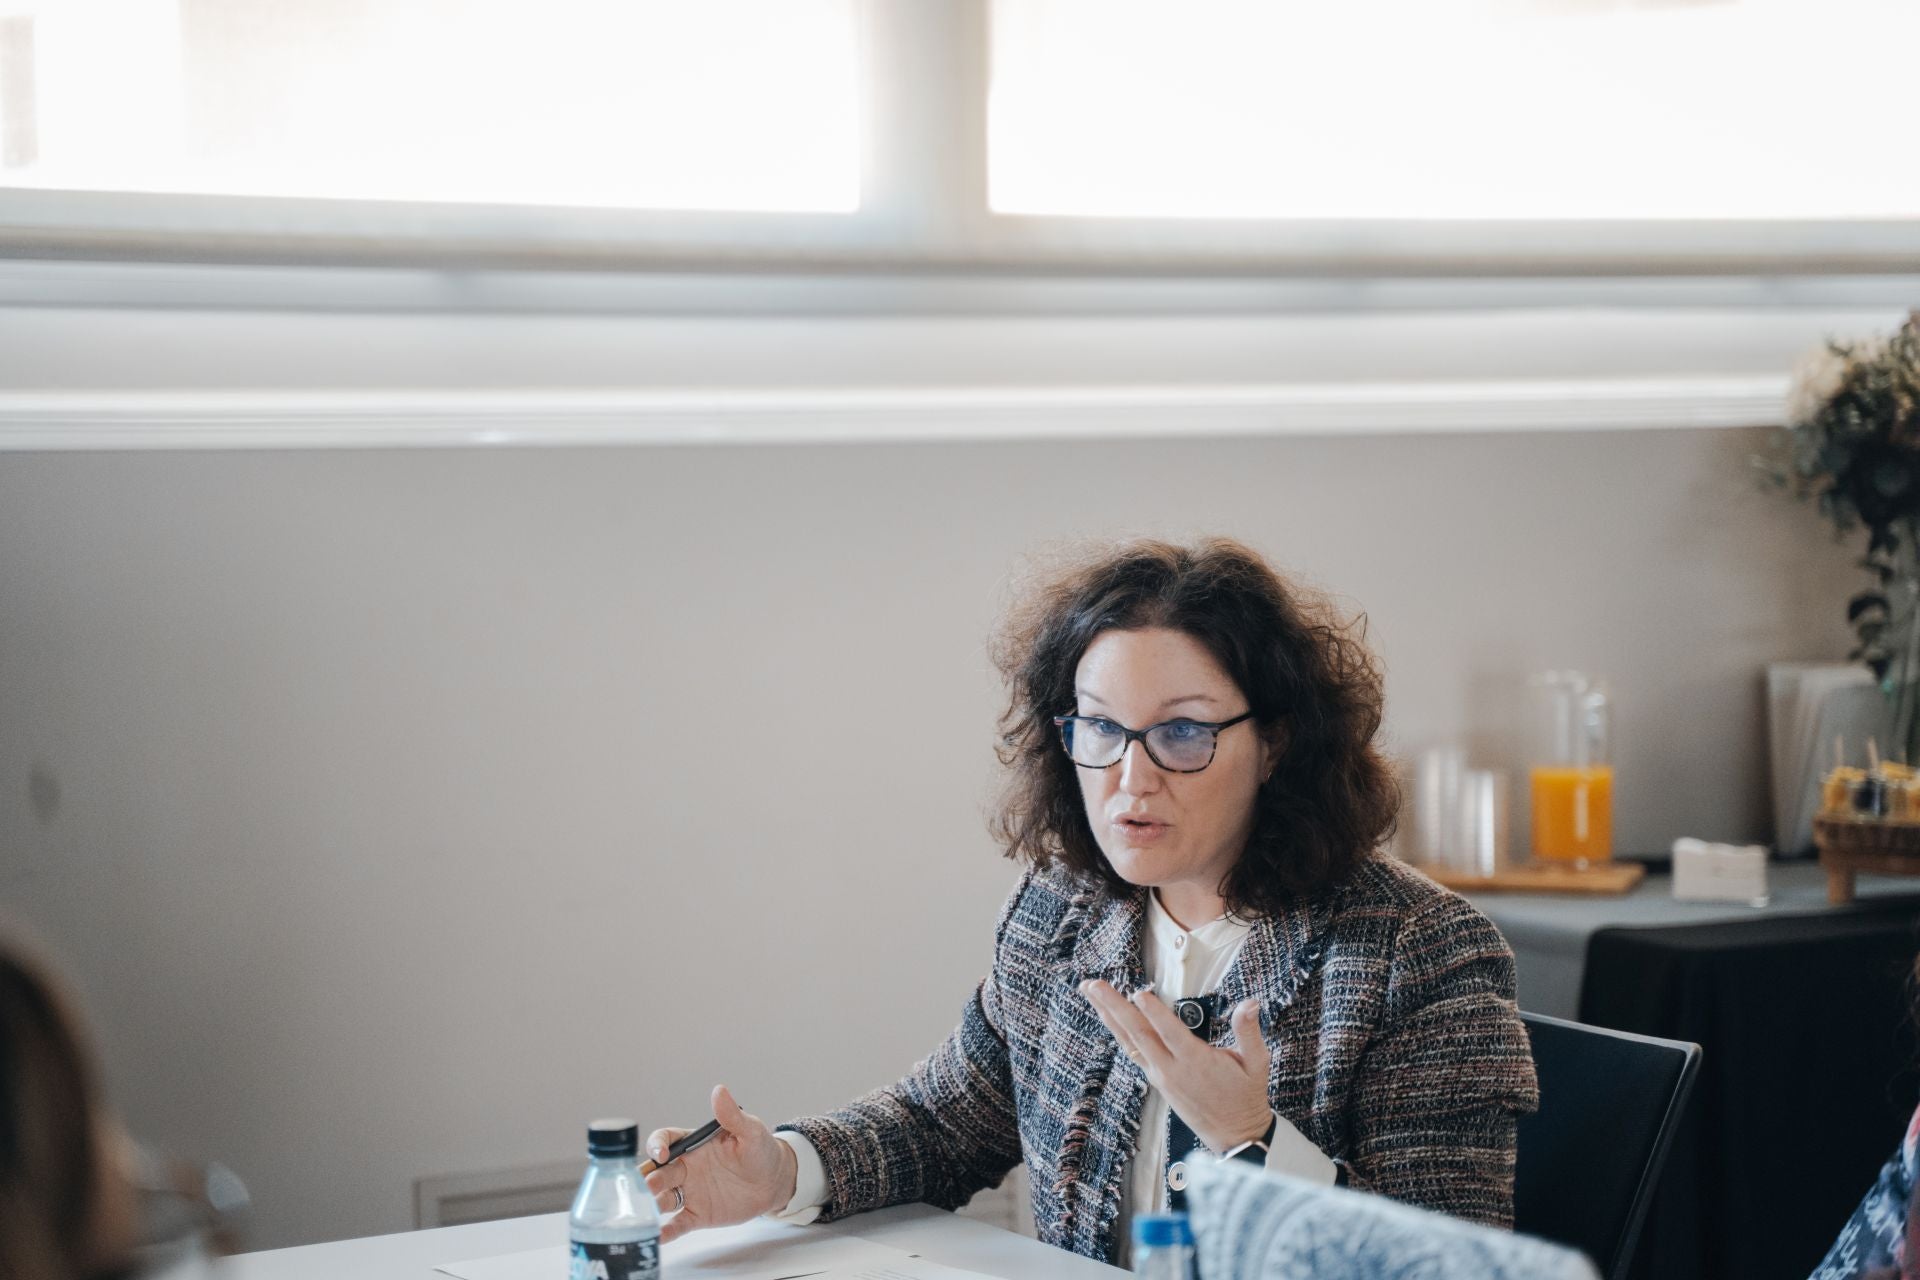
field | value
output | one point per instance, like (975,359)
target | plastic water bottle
(1163,1246)
(614,1224)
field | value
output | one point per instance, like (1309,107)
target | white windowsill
(177,420)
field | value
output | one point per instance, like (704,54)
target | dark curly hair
(1306,674)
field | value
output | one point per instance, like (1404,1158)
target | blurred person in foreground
(1881,1241)
(79,1200)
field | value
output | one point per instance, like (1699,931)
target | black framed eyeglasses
(1178,746)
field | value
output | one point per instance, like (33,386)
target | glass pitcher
(1572,770)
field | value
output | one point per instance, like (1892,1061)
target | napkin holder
(1706,872)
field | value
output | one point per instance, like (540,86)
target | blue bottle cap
(1154,1230)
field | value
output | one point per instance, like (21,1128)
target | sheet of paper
(549,1264)
(759,1250)
(912,1268)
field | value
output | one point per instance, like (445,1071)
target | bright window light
(1536,109)
(648,104)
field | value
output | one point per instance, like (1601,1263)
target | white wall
(415,806)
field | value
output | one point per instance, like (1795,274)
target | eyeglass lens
(1177,744)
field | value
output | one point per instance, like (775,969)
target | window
(1528,138)
(643,104)
(1463,109)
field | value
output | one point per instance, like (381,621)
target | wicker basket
(1849,846)
(1868,838)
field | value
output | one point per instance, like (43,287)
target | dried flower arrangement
(1852,445)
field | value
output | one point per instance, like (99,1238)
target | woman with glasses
(1206,956)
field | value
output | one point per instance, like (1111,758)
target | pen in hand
(680,1148)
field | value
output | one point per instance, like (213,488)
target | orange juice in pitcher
(1573,813)
(1572,772)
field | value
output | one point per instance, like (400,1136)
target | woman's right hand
(738,1174)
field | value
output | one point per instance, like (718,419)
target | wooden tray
(1600,878)
(1848,847)
(1851,835)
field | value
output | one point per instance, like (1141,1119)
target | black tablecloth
(1811,1068)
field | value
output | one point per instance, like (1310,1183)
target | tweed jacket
(1397,1051)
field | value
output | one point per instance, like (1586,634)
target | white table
(413,1255)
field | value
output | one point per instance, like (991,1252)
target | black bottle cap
(616,1137)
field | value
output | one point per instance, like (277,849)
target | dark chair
(1589,1159)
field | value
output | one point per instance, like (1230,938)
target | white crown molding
(235,420)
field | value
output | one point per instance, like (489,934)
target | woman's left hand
(1221,1092)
